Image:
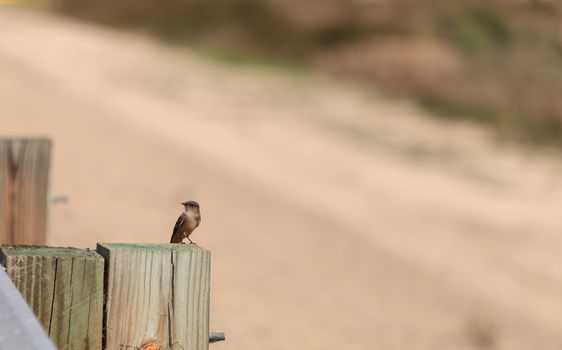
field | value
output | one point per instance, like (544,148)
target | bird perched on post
(187,222)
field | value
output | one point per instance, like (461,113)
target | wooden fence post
(64,288)
(156,294)
(24,178)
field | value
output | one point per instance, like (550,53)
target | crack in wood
(53,299)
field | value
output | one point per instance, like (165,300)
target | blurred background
(372,174)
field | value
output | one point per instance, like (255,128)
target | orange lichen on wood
(150,346)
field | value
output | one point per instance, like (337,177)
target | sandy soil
(337,218)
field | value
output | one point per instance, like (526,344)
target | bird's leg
(190,241)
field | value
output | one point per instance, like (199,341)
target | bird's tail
(176,238)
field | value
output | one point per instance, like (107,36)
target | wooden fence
(156,295)
(121,296)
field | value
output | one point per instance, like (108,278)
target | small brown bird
(187,222)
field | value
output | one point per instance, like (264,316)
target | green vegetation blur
(495,62)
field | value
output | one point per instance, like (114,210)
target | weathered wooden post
(24,179)
(64,288)
(157,294)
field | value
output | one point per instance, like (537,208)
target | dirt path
(337,219)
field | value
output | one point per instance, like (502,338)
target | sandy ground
(337,218)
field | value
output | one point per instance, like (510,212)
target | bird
(187,222)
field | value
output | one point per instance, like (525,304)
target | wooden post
(24,178)
(157,296)
(64,288)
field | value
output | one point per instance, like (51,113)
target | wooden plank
(156,293)
(20,329)
(24,178)
(64,288)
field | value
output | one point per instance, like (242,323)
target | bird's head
(191,205)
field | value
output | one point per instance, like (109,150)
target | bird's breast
(192,221)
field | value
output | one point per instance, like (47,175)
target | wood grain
(157,293)
(64,288)
(24,179)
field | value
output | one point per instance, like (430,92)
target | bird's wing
(180,222)
(176,235)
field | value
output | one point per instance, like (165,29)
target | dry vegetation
(498,62)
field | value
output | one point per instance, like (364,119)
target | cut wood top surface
(32,250)
(149,246)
